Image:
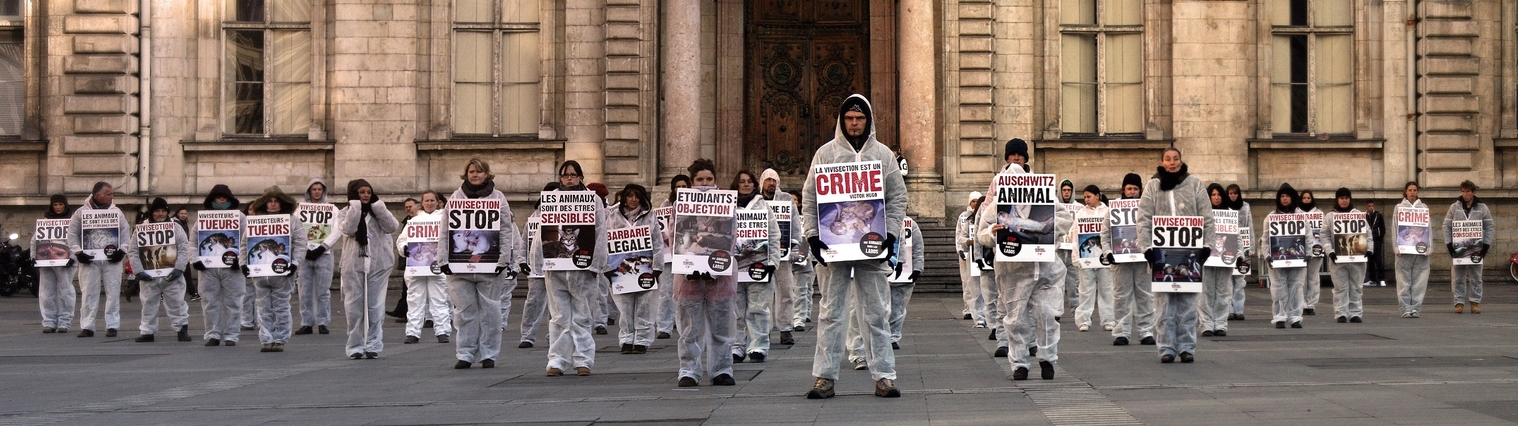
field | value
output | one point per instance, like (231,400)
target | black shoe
(1187,358)
(303,330)
(737,358)
(1001,352)
(967,316)
(229,343)
(1241,317)
(1021,373)
(808,320)
(488,363)
(1220,333)
(1120,341)
(49,330)
(993,334)
(184,333)
(664,335)
(640,349)
(611,321)
(1046,370)
(799,328)
(1354,320)
(322,329)
(361,356)
(1032,351)
(144,338)
(1341,319)
(756,356)
(442,338)
(428,324)
(524,345)
(1167,358)
(1147,340)
(627,348)
(277,347)
(1280,324)
(1297,324)
(600,329)
(371,355)
(396,314)
(786,338)
(462,364)
(1207,333)
(267,347)
(886,388)
(110,332)
(686,382)
(213,342)
(895,346)
(723,380)
(1309,311)
(411,339)
(822,389)
(249,328)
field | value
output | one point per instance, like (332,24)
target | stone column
(585,85)
(918,106)
(680,114)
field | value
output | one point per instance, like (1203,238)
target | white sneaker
(1107,327)
(1383,283)
(1368,284)
(1407,315)
(980,324)
(1085,328)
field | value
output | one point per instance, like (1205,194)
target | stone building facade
(251,93)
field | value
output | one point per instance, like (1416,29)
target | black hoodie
(1221,191)
(1296,200)
(222,191)
(68,211)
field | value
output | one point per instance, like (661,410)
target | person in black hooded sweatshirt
(1285,283)
(221,289)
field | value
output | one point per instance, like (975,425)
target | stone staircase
(941,272)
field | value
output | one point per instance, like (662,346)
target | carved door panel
(802,59)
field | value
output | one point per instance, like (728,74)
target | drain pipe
(144,96)
(1412,90)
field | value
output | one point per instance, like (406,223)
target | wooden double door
(802,59)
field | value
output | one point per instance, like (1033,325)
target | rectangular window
(496,78)
(12,81)
(1101,67)
(268,67)
(1312,67)
(10,8)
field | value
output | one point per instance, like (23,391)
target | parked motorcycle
(17,269)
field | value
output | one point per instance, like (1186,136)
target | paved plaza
(1442,368)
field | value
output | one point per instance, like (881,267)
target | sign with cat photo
(567,223)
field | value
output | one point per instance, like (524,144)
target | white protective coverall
(1465,280)
(863,282)
(1095,293)
(1175,330)
(969,285)
(638,310)
(783,307)
(100,273)
(1031,293)
(536,303)
(476,298)
(272,294)
(571,299)
(314,276)
(1411,269)
(1285,283)
(705,315)
(755,299)
(1133,298)
(1312,286)
(366,267)
(1347,277)
(221,289)
(426,297)
(55,284)
(901,295)
(167,292)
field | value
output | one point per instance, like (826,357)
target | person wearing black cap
(368,257)
(272,294)
(1346,276)
(94,272)
(1031,293)
(170,288)
(1133,299)
(221,289)
(55,284)
(1064,218)
(1465,280)
(537,294)
(1312,287)
(862,280)
(1285,283)
(1179,194)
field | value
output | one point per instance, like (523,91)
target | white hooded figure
(271,295)
(638,311)
(862,281)
(784,281)
(314,276)
(222,289)
(368,258)
(964,246)
(167,291)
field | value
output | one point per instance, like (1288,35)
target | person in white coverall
(1411,269)
(1178,194)
(520,260)
(860,282)
(1312,287)
(705,308)
(1064,218)
(666,290)
(368,258)
(1217,282)
(1030,292)
(221,288)
(1465,280)
(476,297)
(1095,294)
(805,275)
(571,294)
(1285,283)
(755,298)
(638,309)
(314,276)
(426,296)
(1347,277)
(536,303)
(55,284)
(901,295)
(1133,300)
(783,308)
(167,291)
(1246,221)
(272,294)
(95,274)
(975,306)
